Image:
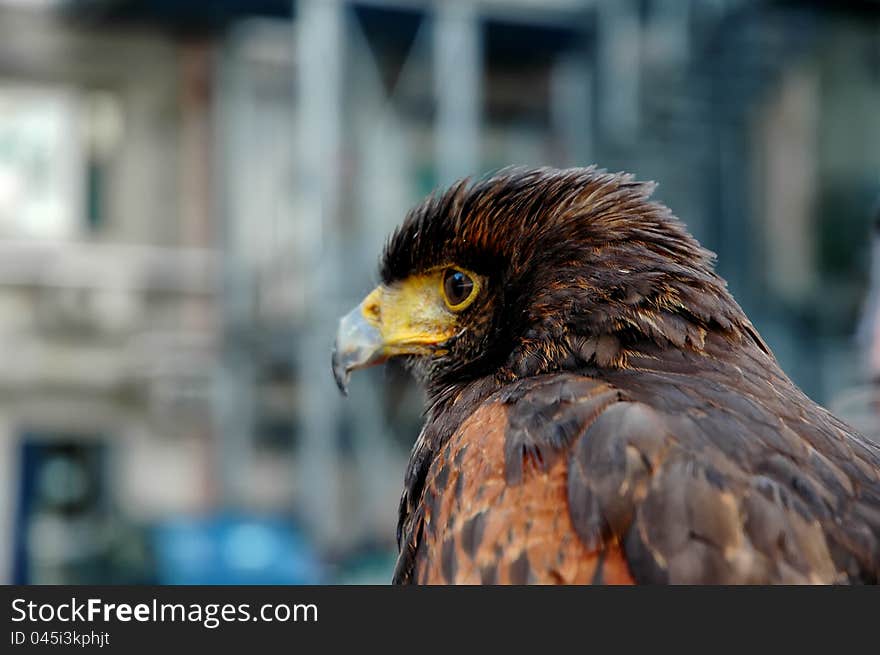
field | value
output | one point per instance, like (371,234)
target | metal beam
(320,51)
(619,53)
(457,89)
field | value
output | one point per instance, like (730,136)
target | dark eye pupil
(457,286)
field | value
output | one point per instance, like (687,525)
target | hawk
(600,409)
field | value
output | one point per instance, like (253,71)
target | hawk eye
(458,288)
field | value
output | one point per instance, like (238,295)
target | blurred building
(108,294)
(191,194)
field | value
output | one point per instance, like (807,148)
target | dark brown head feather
(582,266)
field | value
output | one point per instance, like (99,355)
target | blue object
(234,549)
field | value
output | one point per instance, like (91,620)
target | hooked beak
(407,318)
(358,344)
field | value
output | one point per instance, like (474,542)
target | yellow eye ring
(459,288)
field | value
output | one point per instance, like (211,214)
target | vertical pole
(319,58)
(457,89)
(619,68)
(571,105)
(233,392)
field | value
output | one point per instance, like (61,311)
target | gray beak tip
(358,345)
(340,373)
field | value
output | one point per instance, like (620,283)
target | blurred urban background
(191,193)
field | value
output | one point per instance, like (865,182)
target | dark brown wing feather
(681,467)
(756,484)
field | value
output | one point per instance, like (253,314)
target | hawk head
(532,271)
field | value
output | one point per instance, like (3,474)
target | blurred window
(41,154)
(56,147)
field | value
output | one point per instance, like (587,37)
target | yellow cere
(411,315)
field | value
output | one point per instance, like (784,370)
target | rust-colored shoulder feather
(484,524)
